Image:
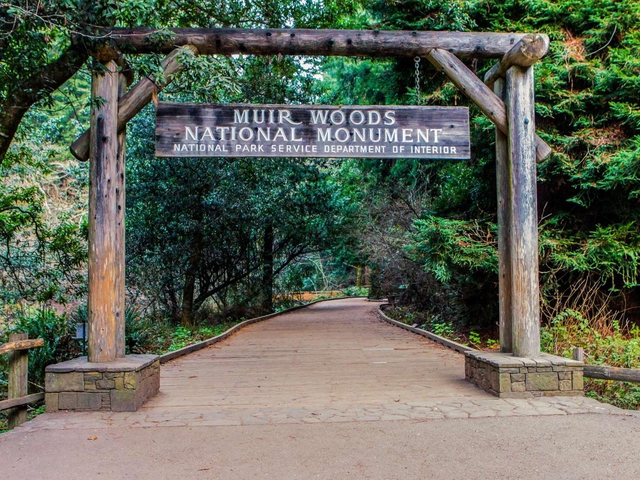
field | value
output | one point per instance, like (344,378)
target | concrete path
(328,392)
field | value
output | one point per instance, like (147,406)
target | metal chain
(417,75)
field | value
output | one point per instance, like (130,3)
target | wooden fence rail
(603,372)
(17,348)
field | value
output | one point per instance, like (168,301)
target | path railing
(604,372)
(17,348)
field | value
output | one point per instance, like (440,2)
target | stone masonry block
(119,383)
(518,387)
(64,382)
(113,375)
(123,401)
(564,375)
(130,381)
(517,377)
(88,401)
(542,381)
(578,381)
(88,376)
(67,400)
(51,401)
(566,385)
(106,384)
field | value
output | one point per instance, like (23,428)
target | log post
(103,299)
(503,173)
(524,234)
(18,375)
(120,197)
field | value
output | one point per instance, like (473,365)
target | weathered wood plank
(578,354)
(371,43)
(102,298)
(18,374)
(120,198)
(525,300)
(525,53)
(196,130)
(479,93)
(18,402)
(504,232)
(612,373)
(137,98)
(21,345)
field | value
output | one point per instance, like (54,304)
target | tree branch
(35,88)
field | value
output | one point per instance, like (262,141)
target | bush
(57,331)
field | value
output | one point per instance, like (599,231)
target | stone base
(120,386)
(507,376)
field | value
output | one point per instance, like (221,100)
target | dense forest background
(210,241)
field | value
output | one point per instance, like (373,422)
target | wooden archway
(506,97)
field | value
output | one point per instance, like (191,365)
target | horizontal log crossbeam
(368,43)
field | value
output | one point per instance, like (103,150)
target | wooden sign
(201,130)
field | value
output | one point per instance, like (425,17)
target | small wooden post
(120,196)
(18,373)
(504,231)
(103,217)
(578,354)
(524,234)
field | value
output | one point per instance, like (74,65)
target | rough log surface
(21,345)
(18,402)
(120,199)
(504,232)
(612,373)
(371,43)
(525,53)
(468,83)
(525,302)
(136,98)
(102,298)
(18,372)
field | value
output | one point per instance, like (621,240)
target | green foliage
(56,330)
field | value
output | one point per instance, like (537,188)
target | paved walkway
(335,365)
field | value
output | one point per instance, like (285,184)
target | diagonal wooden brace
(136,98)
(467,82)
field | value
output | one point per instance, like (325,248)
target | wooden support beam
(21,345)
(18,374)
(525,53)
(102,301)
(120,196)
(525,301)
(136,98)
(479,93)
(369,43)
(504,231)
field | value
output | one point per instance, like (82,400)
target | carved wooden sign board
(203,130)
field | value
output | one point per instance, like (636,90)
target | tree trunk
(189,290)
(359,276)
(267,270)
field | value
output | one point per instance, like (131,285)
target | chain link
(417,75)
